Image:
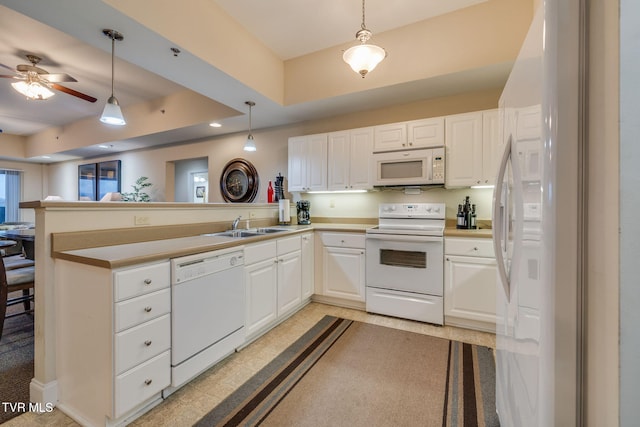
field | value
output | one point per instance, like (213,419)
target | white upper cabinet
(425,133)
(349,154)
(472,148)
(409,135)
(308,163)
(492,146)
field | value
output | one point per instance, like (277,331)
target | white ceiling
(288,27)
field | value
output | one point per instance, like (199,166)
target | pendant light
(112,114)
(250,144)
(364,57)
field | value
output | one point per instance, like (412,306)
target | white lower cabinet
(114,340)
(342,271)
(470,280)
(273,280)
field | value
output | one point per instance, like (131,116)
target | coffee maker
(303,207)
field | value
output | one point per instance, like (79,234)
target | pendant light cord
(113,49)
(364,27)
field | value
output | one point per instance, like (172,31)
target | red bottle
(270,193)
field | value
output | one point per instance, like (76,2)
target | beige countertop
(485,233)
(117,256)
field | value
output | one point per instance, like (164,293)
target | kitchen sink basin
(238,233)
(246,233)
(270,230)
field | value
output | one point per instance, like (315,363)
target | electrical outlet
(332,203)
(252,215)
(141,220)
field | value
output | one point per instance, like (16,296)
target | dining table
(25,235)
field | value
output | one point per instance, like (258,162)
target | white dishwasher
(207,310)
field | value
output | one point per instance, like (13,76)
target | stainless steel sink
(237,234)
(270,230)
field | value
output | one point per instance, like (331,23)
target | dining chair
(17,279)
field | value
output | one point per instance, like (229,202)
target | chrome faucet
(236,221)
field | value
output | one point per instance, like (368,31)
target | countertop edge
(107,256)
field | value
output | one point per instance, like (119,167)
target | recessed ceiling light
(215,125)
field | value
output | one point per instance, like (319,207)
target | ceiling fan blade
(8,68)
(58,77)
(73,92)
(7,77)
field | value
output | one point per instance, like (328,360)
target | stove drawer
(406,305)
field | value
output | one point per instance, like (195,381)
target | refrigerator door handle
(499,218)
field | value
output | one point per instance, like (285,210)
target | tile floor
(191,402)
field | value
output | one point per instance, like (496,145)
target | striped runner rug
(348,373)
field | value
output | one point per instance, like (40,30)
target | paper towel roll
(284,210)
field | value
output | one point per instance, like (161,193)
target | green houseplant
(138,195)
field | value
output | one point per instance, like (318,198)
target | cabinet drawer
(137,385)
(142,342)
(469,247)
(259,252)
(141,309)
(289,244)
(345,240)
(141,280)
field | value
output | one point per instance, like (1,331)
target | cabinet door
(470,288)
(307,253)
(491,147)
(297,179)
(261,286)
(289,282)
(338,160)
(426,133)
(390,137)
(343,273)
(360,151)
(317,163)
(463,141)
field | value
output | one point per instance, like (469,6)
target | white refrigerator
(537,225)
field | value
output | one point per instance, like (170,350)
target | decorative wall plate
(239,181)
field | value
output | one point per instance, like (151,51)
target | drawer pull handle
(147,309)
(147,281)
(148,381)
(147,343)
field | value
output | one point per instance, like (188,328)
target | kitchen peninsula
(104,237)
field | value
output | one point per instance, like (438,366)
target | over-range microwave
(413,167)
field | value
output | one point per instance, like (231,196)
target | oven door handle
(405,238)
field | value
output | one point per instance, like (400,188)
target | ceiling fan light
(250,144)
(363,58)
(112,114)
(33,90)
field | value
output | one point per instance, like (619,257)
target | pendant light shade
(364,57)
(112,114)
(250,144)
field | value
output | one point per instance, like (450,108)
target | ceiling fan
(35,82)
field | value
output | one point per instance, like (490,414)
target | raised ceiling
(68,36)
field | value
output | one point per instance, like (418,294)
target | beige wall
(271,157)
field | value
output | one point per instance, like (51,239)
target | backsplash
(365,205)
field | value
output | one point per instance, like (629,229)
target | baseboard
(43,393)
(356,305)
